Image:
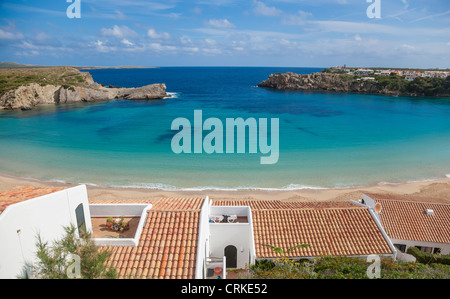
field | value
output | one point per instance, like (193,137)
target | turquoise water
(326,139)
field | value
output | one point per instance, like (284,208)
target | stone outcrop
(30,95)
(321,82)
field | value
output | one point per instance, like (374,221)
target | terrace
(131,216)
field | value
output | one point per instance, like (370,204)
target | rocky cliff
(28,89)
(321,81)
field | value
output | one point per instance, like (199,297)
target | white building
(187,238)
(363,72)
(20,224)
(48,216)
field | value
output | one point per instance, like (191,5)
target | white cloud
(8,35)
(160,48)
(408,47)
(298,19)
(120,15)
(185,40)
(432,16)
(119,32)
(10,32)
(406,4)
(153,34)
(223,23)
(264,10)
(127,42)
(374,28)
(102,47)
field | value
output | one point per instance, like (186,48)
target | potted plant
(109,222)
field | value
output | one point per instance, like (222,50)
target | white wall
(203,239)
(236,234)
(239,235)
(47,215)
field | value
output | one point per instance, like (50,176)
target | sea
(326,139)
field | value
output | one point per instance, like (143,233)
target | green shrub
(428,258)
(332,267)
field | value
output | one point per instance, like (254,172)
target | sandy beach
(435,189)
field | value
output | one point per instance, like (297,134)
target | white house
(363,72)
(47,215)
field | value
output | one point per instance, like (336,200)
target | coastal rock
(26,97)
(321,82)
(29,96)
(149,92)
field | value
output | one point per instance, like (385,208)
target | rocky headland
(25,89)
(336,82)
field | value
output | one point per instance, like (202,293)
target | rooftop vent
(429,212)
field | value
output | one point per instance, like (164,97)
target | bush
(332,267)
(428,258)
(53,260)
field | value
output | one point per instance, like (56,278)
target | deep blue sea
(326,139)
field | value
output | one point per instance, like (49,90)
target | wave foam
(172,95)
(164,187)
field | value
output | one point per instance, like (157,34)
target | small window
(400,247)
(79,213)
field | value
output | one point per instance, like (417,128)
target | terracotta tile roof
(408,220)
(340,232)
(178,204)
(277,204)
(21,194)
(168,243)
(412,198)
(336,228)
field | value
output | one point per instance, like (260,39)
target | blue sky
(309,33)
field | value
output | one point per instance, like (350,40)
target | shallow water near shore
(327,140)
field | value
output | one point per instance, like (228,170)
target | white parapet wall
(118,210)
(46,216)
(203,240)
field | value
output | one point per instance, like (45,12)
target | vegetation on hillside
(331,267)
(420,86)
(59,76)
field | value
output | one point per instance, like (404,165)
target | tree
(56,261)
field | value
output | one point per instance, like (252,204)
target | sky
(291,33)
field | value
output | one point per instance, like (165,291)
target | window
(79,213)
(400,247)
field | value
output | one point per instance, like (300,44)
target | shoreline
(439,188)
